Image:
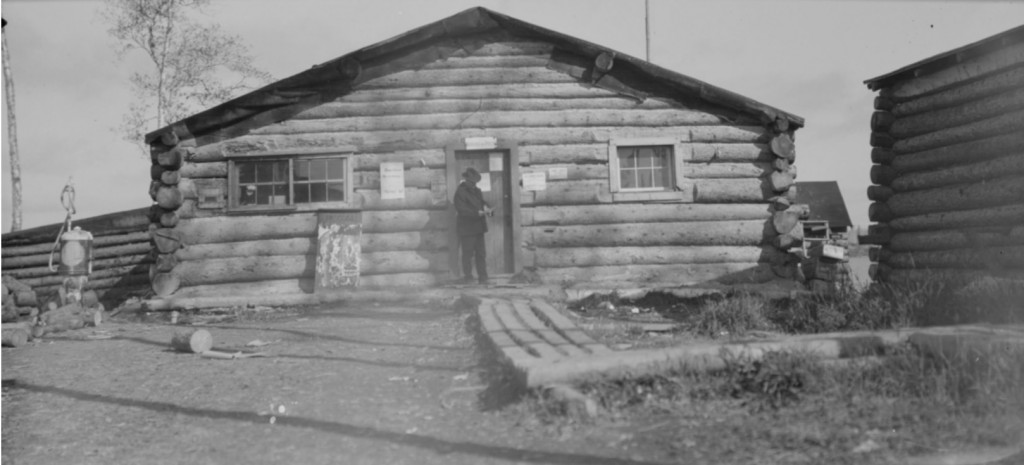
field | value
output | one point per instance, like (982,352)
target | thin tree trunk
(12,140)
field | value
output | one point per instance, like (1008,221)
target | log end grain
(194,341)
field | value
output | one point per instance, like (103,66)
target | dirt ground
(361,384)
(357,384)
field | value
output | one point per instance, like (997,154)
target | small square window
(645,168)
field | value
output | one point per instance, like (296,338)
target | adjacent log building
(948,138)
(601,167)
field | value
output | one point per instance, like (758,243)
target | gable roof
(476,20)
(947,59)
(826,202)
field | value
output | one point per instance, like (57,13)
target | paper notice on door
(485,182)
(534,181)
(392,180)
(497,161)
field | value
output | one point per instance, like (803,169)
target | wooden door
(494,168)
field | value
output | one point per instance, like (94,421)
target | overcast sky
(805,57)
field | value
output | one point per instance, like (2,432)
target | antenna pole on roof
(647,26)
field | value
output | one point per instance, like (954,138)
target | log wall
(949,175)
(738,171)
(121,254)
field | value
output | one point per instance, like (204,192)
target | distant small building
(948,138)
(827,207)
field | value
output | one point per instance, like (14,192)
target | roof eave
(945,59)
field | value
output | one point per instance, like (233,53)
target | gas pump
(75,262)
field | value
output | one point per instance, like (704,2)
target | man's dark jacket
(469,200)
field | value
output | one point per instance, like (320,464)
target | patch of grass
(735,315)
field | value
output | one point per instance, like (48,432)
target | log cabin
(601,167)
(948,174)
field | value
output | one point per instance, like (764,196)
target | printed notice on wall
(392,180)
(485,182)
(534,181)
(497,161)
(558,172)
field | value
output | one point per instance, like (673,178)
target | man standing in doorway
(471,224)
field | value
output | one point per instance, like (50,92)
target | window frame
(233,182)
(678,185)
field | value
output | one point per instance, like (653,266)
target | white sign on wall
(485,182)
(392,180)
(558,172)
(481,143)
(534,181)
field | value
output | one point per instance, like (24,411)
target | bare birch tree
(12,136)
(194,65)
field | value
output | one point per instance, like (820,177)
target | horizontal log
(429,158)
(348,109)
(433,240)
(727,170)
(649,213)
(124,283)
(879,193)
(960,153)
(204,170)
(1007,215)
(258,227)
(955,276)
(264,141)
(960,115)
(993,193)
(581,118)
(244,269)
(990,258)
(729,152)
(956,239)
(661,255)
(489,61)
(246,228)
(563,153)
(477,93)
(587,172)
(1010,165)
(256,248)
(104,225)
(1006,123)
(467,77)
(98,253)
(100,275)
(883,175)
(416,177)
(732,190)
(415,198)
(723,273)
(697,233)
(881,121)
(424,241)
(97,265)
(252,269)
(988,63)
(882,156)
(254,289)
(569,193)
(971,91)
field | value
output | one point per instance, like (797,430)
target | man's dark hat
(472,174)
